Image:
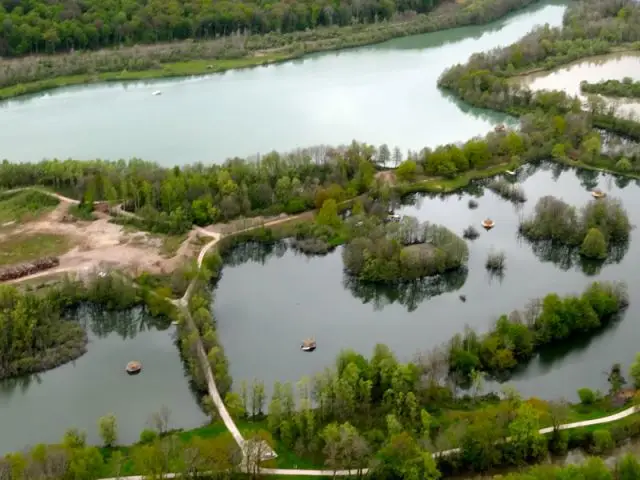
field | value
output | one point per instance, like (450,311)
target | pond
(40,408)
(615,66)
(385,93)
(266,303)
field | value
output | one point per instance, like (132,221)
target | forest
(626,88)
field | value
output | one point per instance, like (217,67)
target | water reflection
(127,324)
(408,294)
(566,257)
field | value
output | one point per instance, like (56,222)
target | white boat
(510,172)
(157,92)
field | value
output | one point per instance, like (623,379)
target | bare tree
(160,420)
(558,413)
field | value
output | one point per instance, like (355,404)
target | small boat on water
(597,193)
(156,93)
(488,224)
(308,345)
(509,172)
(134,368)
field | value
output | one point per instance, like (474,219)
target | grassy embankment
(20,208)
(283,47)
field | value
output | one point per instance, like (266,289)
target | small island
(35,336)
(600,225)
(403,251)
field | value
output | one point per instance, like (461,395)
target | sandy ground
(102,244)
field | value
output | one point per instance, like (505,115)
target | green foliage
(594,245)
(635,371)
(515,339)
(391,252)
(25,205)
(602,442)
(148,436)
(108,429)
(601,224)
(587,396)
(613,88)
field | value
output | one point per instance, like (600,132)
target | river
(379,94)
(266,306)
(40,408)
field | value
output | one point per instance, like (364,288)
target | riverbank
(34,74)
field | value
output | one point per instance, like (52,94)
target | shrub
(470,233)
(472,204)
(602,442)
(148,436)
(496,261)
(587,396)
(594,245)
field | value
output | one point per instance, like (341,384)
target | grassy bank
(31,75)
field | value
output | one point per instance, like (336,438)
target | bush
(496,261)
(587,396)
(148,436)
(472,204)
(602,442)
(594,245)
(470,233)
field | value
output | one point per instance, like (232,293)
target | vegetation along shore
(98,44)
(378,416)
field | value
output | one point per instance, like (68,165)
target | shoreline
(375,34)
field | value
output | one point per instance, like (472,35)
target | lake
(385,93)
(266,303)
(40,408)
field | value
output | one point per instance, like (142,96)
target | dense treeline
(601,225)
(589,27)
(518,337)
(38,26)
(613,88)
(626,467)
(36,329)
(391,252)
(38,72)
(171,199)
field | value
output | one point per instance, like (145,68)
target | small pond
(39,408)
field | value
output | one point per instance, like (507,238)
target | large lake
(380,94)
(268,304)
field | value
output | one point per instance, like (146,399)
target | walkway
(346,473)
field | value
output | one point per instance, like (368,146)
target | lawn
(28,247)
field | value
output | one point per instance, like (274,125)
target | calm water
(41,407)
(596,69)
(381,94)
(286,297)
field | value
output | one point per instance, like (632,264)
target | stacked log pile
(24,269)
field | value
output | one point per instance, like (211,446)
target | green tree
(594,245)
(328,214)
(402,458)
(108,429)
(635,371)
